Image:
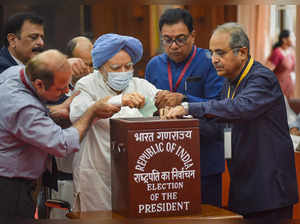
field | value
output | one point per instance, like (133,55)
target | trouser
(16,197)
(211,189)
(271,216)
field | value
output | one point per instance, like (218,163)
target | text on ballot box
(155,167)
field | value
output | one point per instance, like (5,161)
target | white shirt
(91,166)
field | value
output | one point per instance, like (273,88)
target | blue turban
(107,45)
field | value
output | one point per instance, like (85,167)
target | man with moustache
(263,183)
(188,72)
(24,38)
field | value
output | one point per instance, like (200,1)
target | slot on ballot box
(155,167)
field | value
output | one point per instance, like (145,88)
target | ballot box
(155,167)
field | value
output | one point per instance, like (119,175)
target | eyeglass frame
(184,39)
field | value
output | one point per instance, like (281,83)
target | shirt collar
(17,60)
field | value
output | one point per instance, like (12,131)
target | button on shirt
(27,133)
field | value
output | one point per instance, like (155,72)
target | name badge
(227,143)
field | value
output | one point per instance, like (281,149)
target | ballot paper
(149,108)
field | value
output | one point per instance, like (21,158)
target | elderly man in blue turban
(113,59)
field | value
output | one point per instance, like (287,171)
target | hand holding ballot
(103,109)
(133,100)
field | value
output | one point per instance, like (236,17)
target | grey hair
(238,36)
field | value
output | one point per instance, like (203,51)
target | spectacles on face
(117,67)
(221,53)
(179,40)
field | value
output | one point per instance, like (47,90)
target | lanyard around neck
(22,76)
(24,80)
(182,72)
(247,69)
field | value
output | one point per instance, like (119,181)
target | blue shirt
(27,133)
(200,83)
(262,168)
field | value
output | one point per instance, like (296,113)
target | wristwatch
(185,106)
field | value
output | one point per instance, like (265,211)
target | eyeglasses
(118,67)
(221,53)
(179,40)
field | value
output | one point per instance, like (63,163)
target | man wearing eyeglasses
(188,71)
(263,183)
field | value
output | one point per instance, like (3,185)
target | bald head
(80,47)
(82,44)
(45,65)
(53,59)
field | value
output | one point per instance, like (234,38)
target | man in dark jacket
(24,38)
(262,167)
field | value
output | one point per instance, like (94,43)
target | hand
(166,98)
(163,112)
(103,110)
(295,131)
(79,68)
(133,100)
(172,112)
(62,110)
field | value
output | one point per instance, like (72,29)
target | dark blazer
(6,60)
(262,168)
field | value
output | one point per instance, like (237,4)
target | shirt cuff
(72,139)
(185,98)
(197,109)
(116,100)
(185,106)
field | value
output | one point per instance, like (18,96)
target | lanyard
(22,76)
(24,80)
(181,74)
(247,69)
